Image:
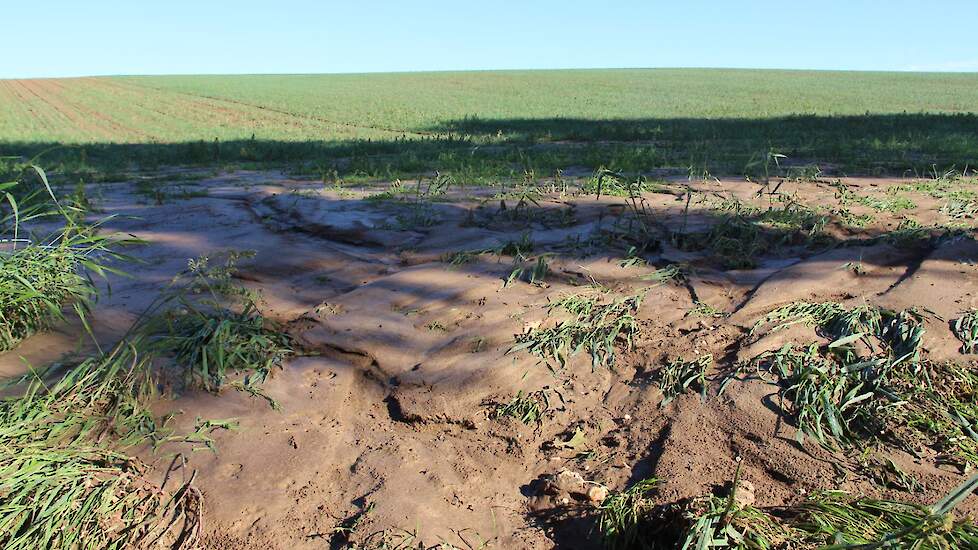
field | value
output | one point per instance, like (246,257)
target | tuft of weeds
(209,343)
(839,394)
(208,340)
(462,257)
(527,408)
(679,376)
(702,309)
(37,280)
(534,275)
(633,258)
(825,398)
(846,196)
(39,277)
(594,328)
(965,328)
(960,209)
(622,514)
(939,409)
(899,333)
(715,522)
(670,273)
(848,218)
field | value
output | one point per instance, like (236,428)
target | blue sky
(94,37)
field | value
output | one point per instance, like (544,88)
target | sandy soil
(390,412)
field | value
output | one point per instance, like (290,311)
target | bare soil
(387,417)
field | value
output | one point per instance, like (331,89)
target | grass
(826,520)
(679,376)
(40,275)
(527,408)
(210,343)
(825,398)
(884,390)
(965,328)
(742,233)
(37,280)
(208,340)
(831,520)
(63,485)
(595,328)
(668,274)
(490,126)
(621,514)
(836,392)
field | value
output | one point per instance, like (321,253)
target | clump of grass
(966,330)
(632,258)
(899,333)
(939,409)
(831,519)
(594,328)
(668,274)
(36,281)
(846,196)
(679,376)
(39,277)
(825,398)
(715,522)
(614,184)
(210,343)
(837,518)
(702,309)
(960,209)
(622,514)
(527,408)
(62,485)
(837,394)
(847,217)
(208,340)
(535,274)
(462,257)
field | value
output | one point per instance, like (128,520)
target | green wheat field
(490,124)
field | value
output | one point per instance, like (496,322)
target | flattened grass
(595,328)
(64,485)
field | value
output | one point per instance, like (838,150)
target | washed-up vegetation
(67,481)
(65,478)
(594,327)
(211,329)
(827,519)
(615,243)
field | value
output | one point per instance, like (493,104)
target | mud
(388,418)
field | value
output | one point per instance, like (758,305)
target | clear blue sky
(93,37)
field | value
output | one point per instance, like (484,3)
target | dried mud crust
(387,424)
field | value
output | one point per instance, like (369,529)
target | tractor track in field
(324,120)
(51,95)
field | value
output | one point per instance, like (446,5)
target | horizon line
(483,70)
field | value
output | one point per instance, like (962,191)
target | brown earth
(388,416)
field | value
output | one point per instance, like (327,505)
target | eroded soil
(387,416)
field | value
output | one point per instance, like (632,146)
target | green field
(494,124)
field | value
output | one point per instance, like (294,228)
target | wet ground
(407,351)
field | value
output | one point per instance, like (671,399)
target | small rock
(570,482)
(596,494)
(564,482)
(745,495)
